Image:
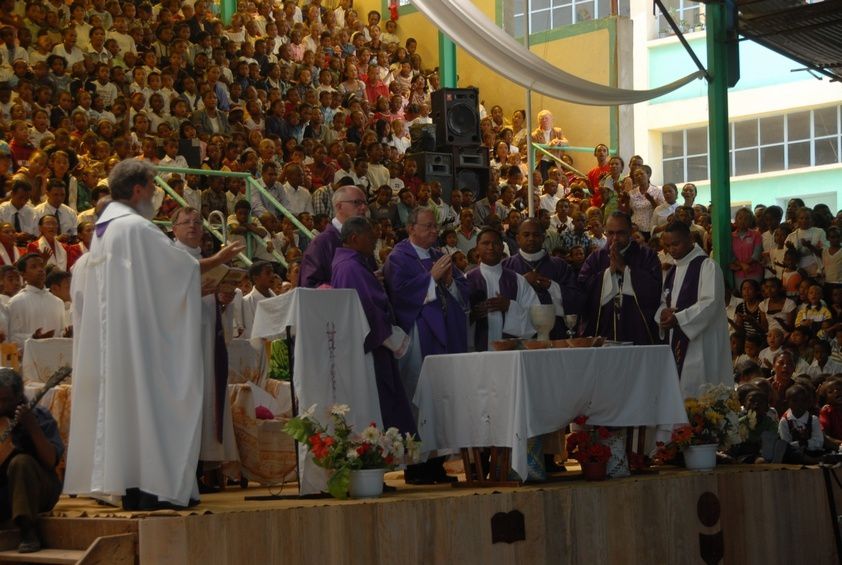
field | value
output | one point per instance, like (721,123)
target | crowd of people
(316,103)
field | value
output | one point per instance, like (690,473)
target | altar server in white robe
(260,274)
(500,298)
(34,312)
(137,365)
(218,440)
(692,313)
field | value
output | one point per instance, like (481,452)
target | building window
(546,15)
(685,154)
(687,14)
(762,145)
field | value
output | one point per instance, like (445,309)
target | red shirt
(593,181)
(20,153)
(830,419)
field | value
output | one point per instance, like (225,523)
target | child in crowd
(775,339)
(757,426)
(800,429)
(830,416)
(790,275)
(815,313)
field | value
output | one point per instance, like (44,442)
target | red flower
(315,440)
(603,432)
(328,441)
(682,434)
(363,449)
(580,420)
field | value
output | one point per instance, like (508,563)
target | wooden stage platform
(747,514)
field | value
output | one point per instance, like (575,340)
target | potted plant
(584,446)
(357,461)
(713,425)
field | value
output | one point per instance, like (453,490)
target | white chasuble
(137,363)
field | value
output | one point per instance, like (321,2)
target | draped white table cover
(502,398)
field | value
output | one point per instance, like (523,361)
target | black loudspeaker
(423,138)
(470,170)
(475,180)
(435,167)
(455,111)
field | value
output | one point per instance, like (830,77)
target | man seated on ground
(34,312)
(29,484)
(500,298)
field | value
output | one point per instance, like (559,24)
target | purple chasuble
(442,325)
(479,293)
(350,269)
(634,320)
(688,295)
(318,257)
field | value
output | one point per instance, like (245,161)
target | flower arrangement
(712,420)
(584,445)
(336,447)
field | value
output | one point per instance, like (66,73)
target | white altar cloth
(502,398)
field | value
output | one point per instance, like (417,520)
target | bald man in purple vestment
(348,202)
(622,283)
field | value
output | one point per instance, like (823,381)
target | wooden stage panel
(768,515)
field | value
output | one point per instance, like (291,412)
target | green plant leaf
(338,483)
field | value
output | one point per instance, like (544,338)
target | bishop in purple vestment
(350,269)
(427,291)
(622,283)
(348,202)
(541,271)
(429,296)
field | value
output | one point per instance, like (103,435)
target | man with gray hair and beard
(348,202)
(137,359)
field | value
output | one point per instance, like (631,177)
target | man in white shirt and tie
(18,212)
(55,206)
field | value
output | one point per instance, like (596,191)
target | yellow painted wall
(586,55)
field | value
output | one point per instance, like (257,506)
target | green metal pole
(720,178)
(227,9)
(447,61)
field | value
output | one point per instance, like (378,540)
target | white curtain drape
(463,22)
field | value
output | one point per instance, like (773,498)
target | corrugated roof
(808,33)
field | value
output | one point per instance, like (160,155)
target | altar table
(502,398)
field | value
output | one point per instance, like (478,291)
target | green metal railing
(251,184)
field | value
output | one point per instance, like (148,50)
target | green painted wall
(773,190)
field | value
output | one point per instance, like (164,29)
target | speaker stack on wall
(456,135)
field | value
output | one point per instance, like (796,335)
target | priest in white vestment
(501,299)
(135,425)
(692,313)
(216,406)
(34,312)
